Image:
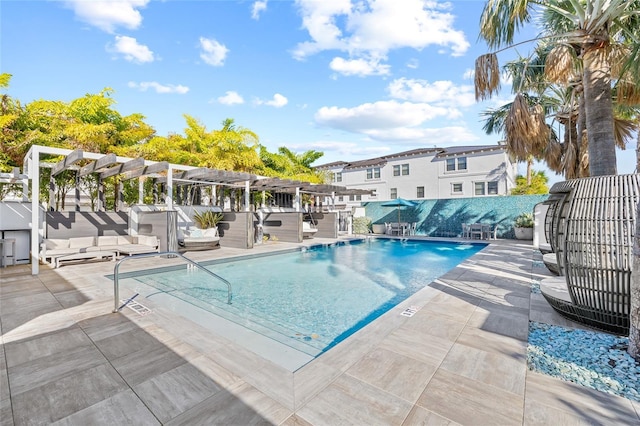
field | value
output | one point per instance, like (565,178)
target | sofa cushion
(124,239)
(61,251)
(108,240)
(148,240)
(56,243)
(210,232)
(81,242)
(196,233)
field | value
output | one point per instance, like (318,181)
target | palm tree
(602,38)
(596,31)
(525,135)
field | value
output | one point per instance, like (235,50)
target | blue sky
(353,79)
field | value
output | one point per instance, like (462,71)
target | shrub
(361,225)
(525,220)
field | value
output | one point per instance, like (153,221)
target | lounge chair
(199,239)
(596,220)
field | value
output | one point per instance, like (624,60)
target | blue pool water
(314,298)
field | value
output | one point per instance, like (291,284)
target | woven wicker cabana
(593,239)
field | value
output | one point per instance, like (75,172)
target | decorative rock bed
(593,359)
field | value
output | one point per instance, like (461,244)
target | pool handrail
(116,283)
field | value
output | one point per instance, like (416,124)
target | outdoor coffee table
(86,256)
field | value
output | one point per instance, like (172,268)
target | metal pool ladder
(116,283)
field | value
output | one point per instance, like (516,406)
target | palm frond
(627,93)
(619,54)
(623,131)
(487,76)
(560,66)
(501,20)
(553,156)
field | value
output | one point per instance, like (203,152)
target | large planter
(379,228)
(523,233)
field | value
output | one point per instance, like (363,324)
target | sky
(354,79)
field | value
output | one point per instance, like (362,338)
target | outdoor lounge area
(460,359)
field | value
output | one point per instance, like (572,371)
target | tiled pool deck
(461,359)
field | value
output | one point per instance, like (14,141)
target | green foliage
(538,184)
(525,220)
(289,165)
(207,219)
(361,225)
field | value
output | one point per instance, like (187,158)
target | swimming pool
(309,299)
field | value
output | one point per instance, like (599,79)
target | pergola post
(141,190)
(247,200)
(77,191)
(52,192)
(120,197)
(34,173)
(297,201)
(169,189)
(101,197)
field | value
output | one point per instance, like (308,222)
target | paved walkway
(461,359)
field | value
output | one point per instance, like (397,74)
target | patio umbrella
(399,203)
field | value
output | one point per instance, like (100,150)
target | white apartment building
(428,173)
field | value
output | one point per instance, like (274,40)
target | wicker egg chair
(593,237)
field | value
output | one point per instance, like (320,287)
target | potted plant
(523,226)
(208,219)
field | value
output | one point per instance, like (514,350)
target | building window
(462,163)
(373,173)
(492,188)
(420,192)
(338,177)
(454,164)
(451,164)
(456,188)
(340,198)
(393,193)
(355,197)
(401,169)
(479,188)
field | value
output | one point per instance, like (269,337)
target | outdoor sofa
(199,239)
(53,248)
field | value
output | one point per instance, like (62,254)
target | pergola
(170,175)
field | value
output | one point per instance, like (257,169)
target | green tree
(288,164)
(538,184)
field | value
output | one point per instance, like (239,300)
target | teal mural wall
(444,218)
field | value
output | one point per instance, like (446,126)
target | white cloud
(257,8)
(213,53)
(278,101)
(382,114)
(390,121)
(342,149)
(413,63)
(372,28)
(108,15)
(440,93)
(131,50)
(440,136)
(143,86)
(231,98)
(359,67)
